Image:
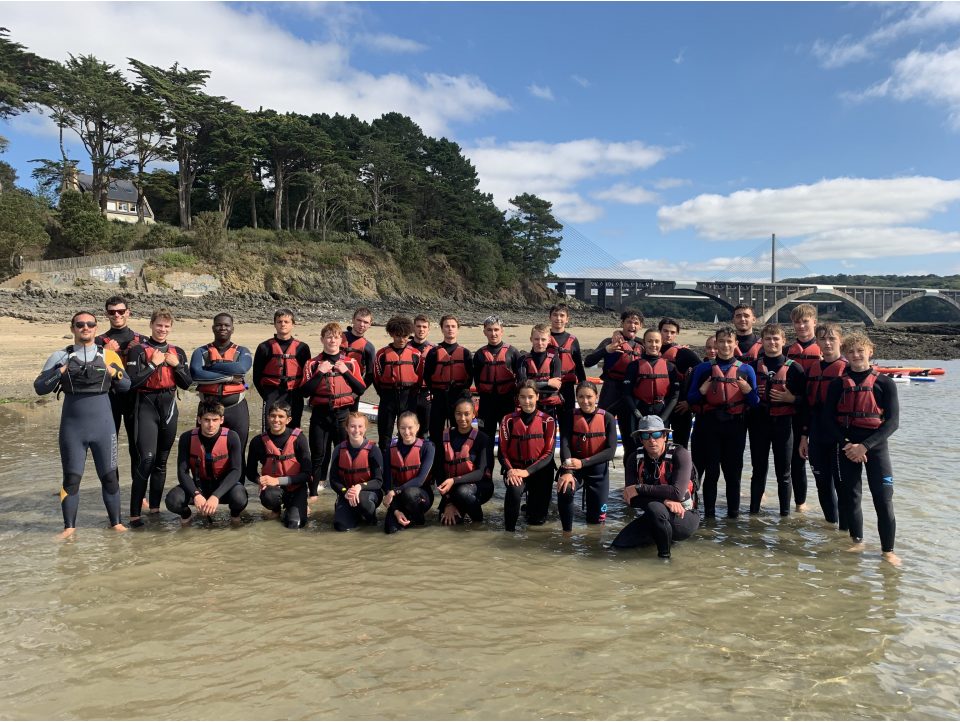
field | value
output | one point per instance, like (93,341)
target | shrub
(209,236)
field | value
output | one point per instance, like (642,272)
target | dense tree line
(330,177)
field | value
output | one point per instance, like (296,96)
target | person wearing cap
(660,480)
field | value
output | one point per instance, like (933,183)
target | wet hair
(449,317)
(648,331)
(742,307)
(399,326)
(528,384)
(115,301)
(333,327)
(628,312)
(420,318)
(161,314)
(280,405)
(223,314)
(560,307)
(209,406)
(804,310)
(667,321)
(281,312)
(773,329)
(588,385)
(492,320)
(465,400)
(857,338)
(540,328)
(83,313)
(408,415)
(725,331)
(363,312)
(828,327)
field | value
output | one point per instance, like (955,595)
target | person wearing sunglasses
(86,373)
(659,480)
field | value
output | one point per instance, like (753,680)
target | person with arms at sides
(527,440)
(465,485)
(120,338)
(423,401)
(407,476)
(781,388)
(542,365)
(586,450)
(660,480)
(862,411)
(816,443)
(696,452)
(805,352)
(219,370)
(652,385)
(685,359)
(209,468)
(725,387)
(617,352)
(278,367)
(356,475)
(357,347)
(282,456)
(496,369)
(156,369)
(571,360)
(396,377)
(447,374)
(85,372)
(749,346)
(331,384)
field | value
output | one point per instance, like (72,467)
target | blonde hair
(804,310)
(333,327)
(857,338)
(161,314)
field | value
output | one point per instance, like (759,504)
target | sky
(673,138)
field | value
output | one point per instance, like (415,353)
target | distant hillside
(844,279)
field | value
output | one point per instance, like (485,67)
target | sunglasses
(647,435)
(117,312)
(84,324)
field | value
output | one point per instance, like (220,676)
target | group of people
(436,439)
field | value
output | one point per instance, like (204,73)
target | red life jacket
(281,462)
(451,369)
(568,367)
(218,459)
(124,353)
(819,378)
(671,353)
(804,356)
(724,393)
(653,381)
(333,390)
(496,377)
(282,370)
(542,373)
(765,384)
(162,378)
(664,471)
(355,350)
(423,350)
(588,437)
(458,463)
(627,355)
(354,470)
(403,469)
(397,369)
(526,444)
(226,388)
(751,354)
(858,406)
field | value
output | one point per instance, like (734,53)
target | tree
(534,242)
(23,77)
(150,138)
(331,196)
(290,144)
(84,229)
(23,221)
(225,157)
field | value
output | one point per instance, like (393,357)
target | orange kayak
(910,371)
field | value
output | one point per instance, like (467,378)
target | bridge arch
(916,297)
(772,312)
(713,297)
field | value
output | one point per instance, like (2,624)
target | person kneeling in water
(466,487)
(356,474)
(283,455)
(406,475)
(660,480)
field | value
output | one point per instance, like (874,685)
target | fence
(102,259)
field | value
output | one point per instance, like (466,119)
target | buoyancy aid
(354,469)
(281,462)
(398,369)
(858,405)
(225,388)
(124,353)
(209,466)
(626,355)
(568,367)
(751,354)
(423,349)
(282,369)
(526,443)
(333,390)
(671,353)
(451,369)
(662,472)
(804,356)
(767,382)
(819,376)
(458,463)
(588,437)
(404,468)
(355,349)
(86,377)
(162,379)
(653,381)
(496,377)
(542,374)
(724,392)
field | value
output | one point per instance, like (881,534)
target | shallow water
(752,618)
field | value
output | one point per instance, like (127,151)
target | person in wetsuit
(278,367)
(527,440)
(586,449)
(422,402)
(407,476)
(447,374)
(278,461)
(805,352)
(685,359)
(219,370)
(209,468)
(356,475)
(464,485)
(356,346)
(397,371)
(696,450)
(571,361)
(660,481)
(543,365)
(862,411)
(85,373)
(496,367)
(156,369)
(652,385)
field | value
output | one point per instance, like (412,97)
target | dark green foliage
(160,235)
(209,236)
(534,242)
(83,228)
(23,222)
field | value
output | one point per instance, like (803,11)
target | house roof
(119,190)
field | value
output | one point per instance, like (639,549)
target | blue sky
(677,137)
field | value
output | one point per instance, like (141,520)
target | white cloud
(848,243)
(540,91)
(253,60)
(680,56)
(807,209)
(624,193)
(554,170)
(664,184)
(390,43)
(580,80)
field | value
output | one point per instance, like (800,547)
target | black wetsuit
(286,391)
(421,403)
(289,498)
(538,486)
(365,358)
(471,490)
(156,427)
(393,401)
(236,413)
(613,389)
(568,389)
(685,361)
(798,465)
(775,432)
(444,398)
(822,455)
(879,468)
(228,488)
(593,477)
(123,403)
(636,408)
(493,407)
(346,517)
(414,497)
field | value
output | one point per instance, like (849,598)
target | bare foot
(857,547)
(801,507)
(566,534)
(154,511)
(235,521)
(186,522)
(892,558)
(145,504)
(119,528)
(271,515)
(313,499)
(67,533)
